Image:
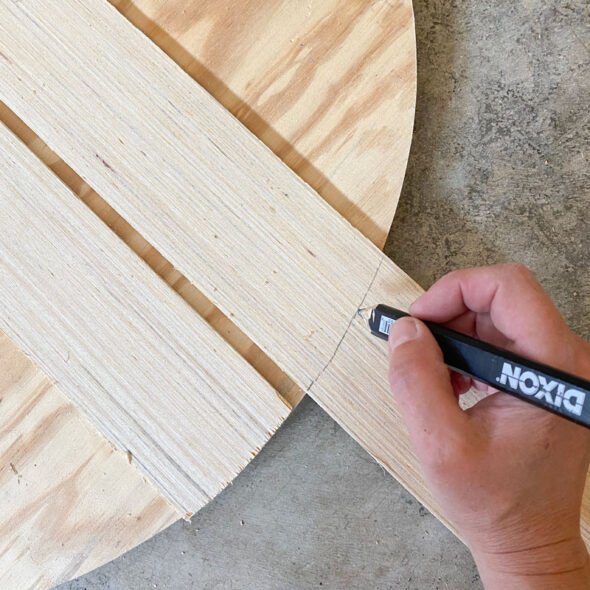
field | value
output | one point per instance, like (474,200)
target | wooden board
(121,158)
(372,119)
(328,86)
(250,195)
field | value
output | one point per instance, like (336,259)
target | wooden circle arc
(330,88)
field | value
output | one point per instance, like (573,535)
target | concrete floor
(498,171)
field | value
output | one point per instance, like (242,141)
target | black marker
(538,384)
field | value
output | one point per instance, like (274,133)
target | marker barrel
(535,383)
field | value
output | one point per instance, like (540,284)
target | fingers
(422,387)
(464,323)
(511,309)
(461,383)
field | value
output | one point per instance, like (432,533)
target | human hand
(508,475)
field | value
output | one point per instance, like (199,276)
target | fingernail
(402,331)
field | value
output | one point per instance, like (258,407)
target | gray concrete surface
(498,171)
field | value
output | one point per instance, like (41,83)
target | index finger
(516,303)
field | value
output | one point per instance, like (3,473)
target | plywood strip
(282,383)
(203,191)
(354,388)
(147,370)
(61,518)
(216,202)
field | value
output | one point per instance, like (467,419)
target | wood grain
(284,385)
(79,504)
(149,372)
(154,151)
(243,191)
(282,233)
(364,194)
(329,86)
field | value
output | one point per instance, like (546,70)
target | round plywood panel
(330,88)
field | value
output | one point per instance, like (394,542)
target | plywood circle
(330,88)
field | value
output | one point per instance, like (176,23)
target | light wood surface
(329,86)
(261,230)
(186,175)
(284,234)
(344,52)
(148,371)
(60,517)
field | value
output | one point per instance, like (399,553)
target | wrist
(560,564)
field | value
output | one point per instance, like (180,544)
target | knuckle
(455,276)
(519,270)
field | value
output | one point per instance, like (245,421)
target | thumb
(421,385)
